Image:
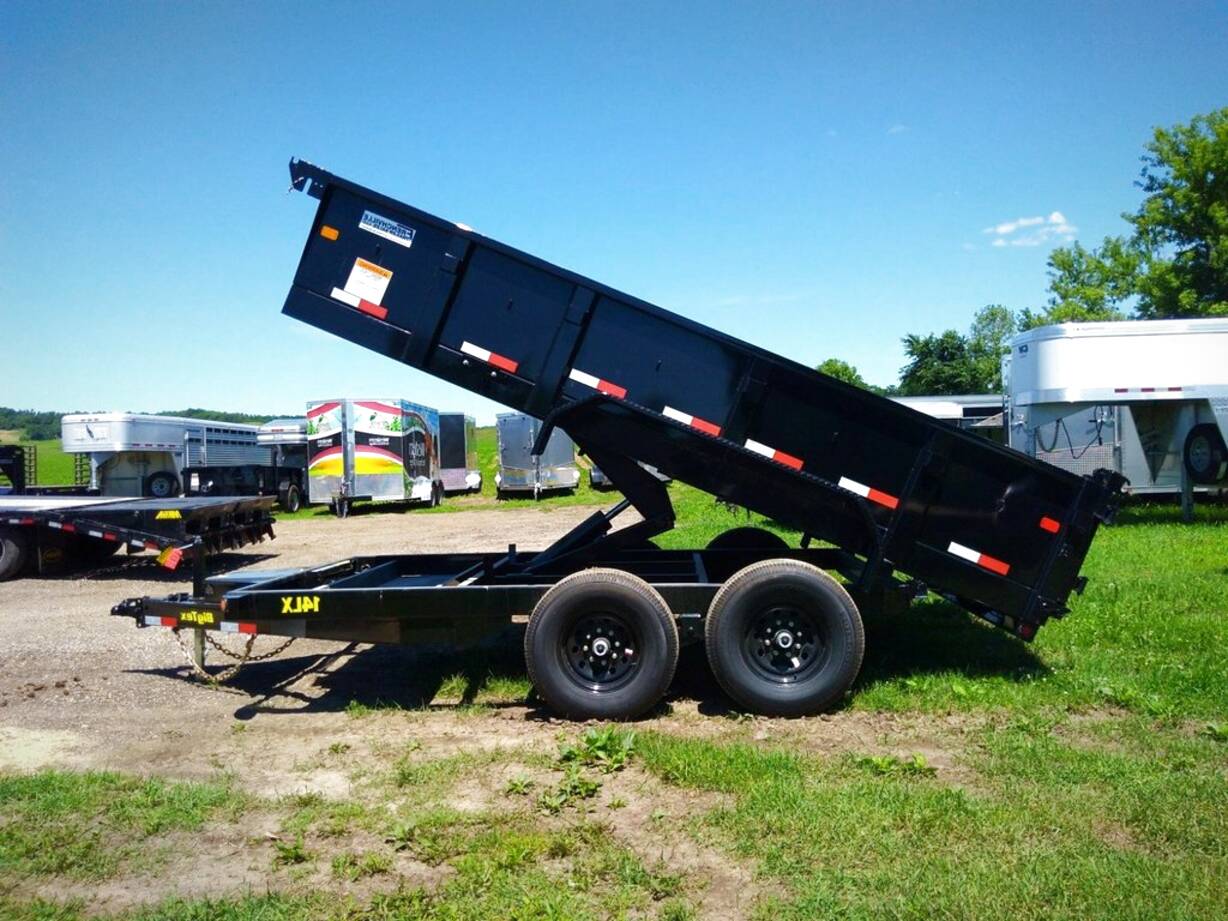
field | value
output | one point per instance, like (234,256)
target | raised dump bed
(908,503)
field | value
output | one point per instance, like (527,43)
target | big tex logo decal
(300,604)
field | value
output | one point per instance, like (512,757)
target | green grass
(87,826)
(55,468)
(1047,829)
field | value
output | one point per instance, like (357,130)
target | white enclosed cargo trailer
(1146,398)
(133,454)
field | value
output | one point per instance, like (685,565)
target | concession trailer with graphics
(904,503)
(377,450)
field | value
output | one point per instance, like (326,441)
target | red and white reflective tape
(54,524)
(151,621)
(97,534)
(1052,525)
(1148,389)
(358,303)
(21,521)
(107,535)
(68,527)
(772,454)
(601,386)
(869,492)
(150,545)
(234,626)
(703,425)
(983,560)
(491,358)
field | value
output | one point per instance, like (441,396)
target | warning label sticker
(368,281)
(388,229)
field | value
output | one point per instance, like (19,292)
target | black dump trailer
(901,503)
(47,534)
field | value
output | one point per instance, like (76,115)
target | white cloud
(897,129)
(1033,231)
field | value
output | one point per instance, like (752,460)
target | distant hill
(43,426)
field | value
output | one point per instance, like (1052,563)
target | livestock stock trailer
(903,503)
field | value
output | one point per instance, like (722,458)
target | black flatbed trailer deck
(906,503)
(46,534)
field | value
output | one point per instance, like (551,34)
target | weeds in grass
(574,786)
(291,853)
(606,748)
(892,766)
(518,786)
(339,748)
(1216,731)
(356,866)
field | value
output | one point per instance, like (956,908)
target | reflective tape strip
(491,358)
(94,533)
(68,528)
(983,560)
(54,524)
(233,626)
(151,621)
(601,386)
(869,492)
(1052,525)
(107,535)
(345,297)
(136,545)
(358,303)
(703,425)
(772,454)
(150,545)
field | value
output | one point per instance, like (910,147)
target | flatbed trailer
(50,534)
(904,504)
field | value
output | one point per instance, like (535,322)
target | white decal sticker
(368,281)
(389,230)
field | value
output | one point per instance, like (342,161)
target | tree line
(1172,263)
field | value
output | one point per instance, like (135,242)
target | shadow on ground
(934,637)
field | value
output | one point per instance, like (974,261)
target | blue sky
(820,179)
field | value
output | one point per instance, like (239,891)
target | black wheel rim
(160,487)
(600,651)
(784,644)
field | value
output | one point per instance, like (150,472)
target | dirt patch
(656,822)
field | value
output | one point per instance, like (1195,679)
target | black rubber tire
(292,499)
(14,552)
(1205,456)
(162,485)
(604,596)
(341,508)
(831,625)
(747,538)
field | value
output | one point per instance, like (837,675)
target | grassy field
(1083,776)
(55,468)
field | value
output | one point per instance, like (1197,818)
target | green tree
(1175,263)
(988,340)
(938,365)
(1182,224)
(843,371)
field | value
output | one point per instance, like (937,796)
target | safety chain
(225,674)
(241,659)
(245,655)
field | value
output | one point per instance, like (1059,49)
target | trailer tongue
(907,502)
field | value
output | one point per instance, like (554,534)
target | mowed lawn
(1084,776)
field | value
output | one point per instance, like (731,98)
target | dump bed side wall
(533,336)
